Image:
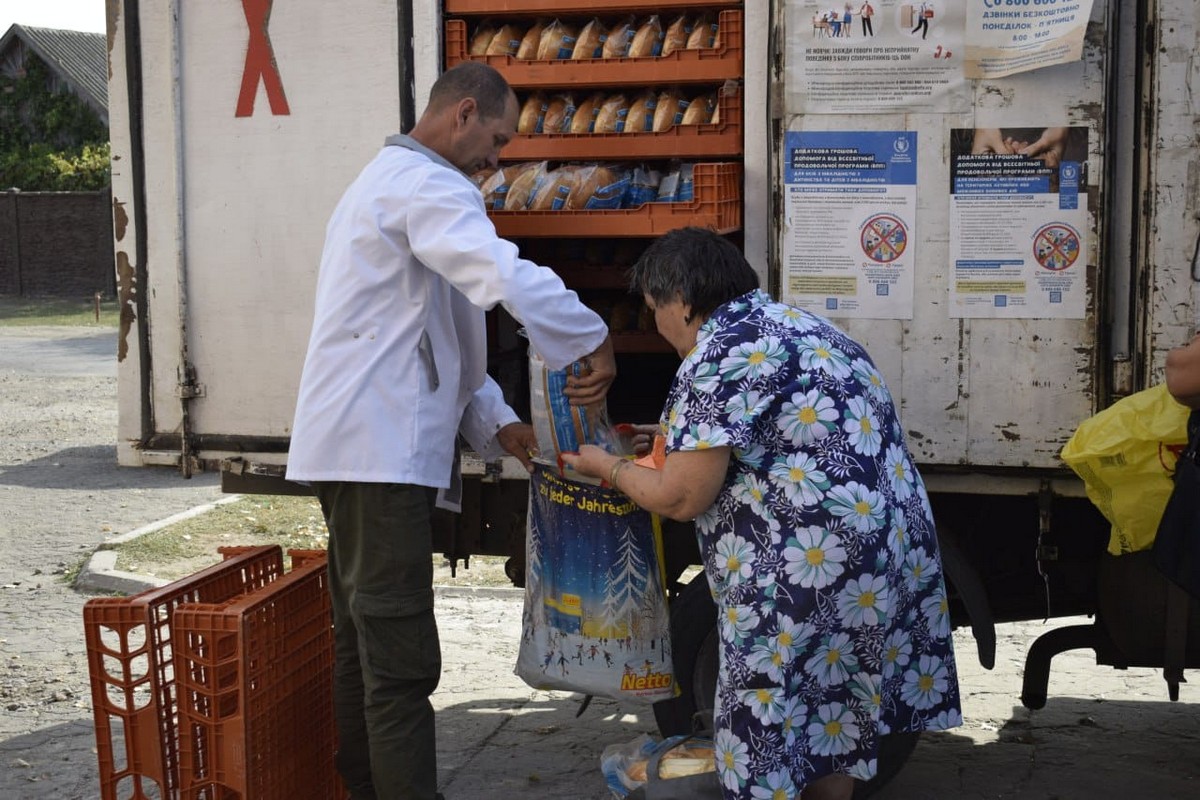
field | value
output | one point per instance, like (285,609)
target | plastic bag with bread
(598,187)
(482,38)
(533,114)
(560,109)
(531,41)
(495,186)
(620,35)
(675,37)
(643,187)
(590,43)
(506,42)
(648,40)
(700,109)
(670,109)
(524,185)
(640,117)
(552,191)
(611,116)
(558,41)
(704,32)
(585,113)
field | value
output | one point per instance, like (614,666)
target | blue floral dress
(820,551)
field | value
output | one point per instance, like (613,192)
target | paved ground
(1104,734)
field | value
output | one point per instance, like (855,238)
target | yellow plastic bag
(1126,457)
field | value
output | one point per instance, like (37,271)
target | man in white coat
(396,369)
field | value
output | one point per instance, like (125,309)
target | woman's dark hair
(694,265)
(471,79)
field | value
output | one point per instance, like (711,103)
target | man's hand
(518,439)
(989,140)
(591,388)
(1049,147)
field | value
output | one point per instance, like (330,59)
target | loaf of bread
(669,110)
(716,115)
(642,188)
(590,43)
(506,42)
(558,41)
(620,35)
(533,114)
(676,35)
(552,192)
(482,38)
(636,771)
(479,177)
(611,117)
(597,187)
(559,110)
(522,187)
(585,113)
(495,186)
(648,39)
(699,110)
(531,41)
(704,32)
(640,118)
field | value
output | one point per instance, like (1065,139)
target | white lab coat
(396,362)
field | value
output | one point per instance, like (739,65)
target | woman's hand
(591,460)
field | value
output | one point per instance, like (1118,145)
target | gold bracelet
(612,474)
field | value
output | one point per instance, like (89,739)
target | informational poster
(850,208)
(868,56)
(1004,37)
(1018,222)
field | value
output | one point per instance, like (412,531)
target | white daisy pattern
(820,549)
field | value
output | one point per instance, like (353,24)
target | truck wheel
(694,653)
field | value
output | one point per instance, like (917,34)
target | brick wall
(57,244)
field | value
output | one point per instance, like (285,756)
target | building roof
(80,59)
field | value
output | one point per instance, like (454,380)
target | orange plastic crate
(681,141)
(569,6)
(131,666)
(256,693)
(682,66)
(716,204)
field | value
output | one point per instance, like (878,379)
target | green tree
(49,141)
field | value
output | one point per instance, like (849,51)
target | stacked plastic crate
(218,685)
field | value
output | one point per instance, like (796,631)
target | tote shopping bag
(1177,546)
(595,617)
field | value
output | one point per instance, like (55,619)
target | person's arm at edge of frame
(1183,373)
(685,487)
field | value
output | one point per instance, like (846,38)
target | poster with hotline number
(850,205)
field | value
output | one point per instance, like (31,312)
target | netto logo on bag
(632,682)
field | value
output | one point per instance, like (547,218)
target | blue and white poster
(850,207)
(1018,222)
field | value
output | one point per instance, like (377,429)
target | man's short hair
(471,79)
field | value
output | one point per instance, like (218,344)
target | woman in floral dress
(814,527)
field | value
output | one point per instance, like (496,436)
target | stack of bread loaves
(558,39)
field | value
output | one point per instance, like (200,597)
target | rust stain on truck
(126,297)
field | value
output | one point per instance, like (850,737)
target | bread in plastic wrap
(495,187)
(585,113)
(620,35)
(506,42)
(531,41)
(700,109)
(560,109)
(704,32)
(552,192)
(640,118)
(611,117)
(523,186)
(670,109)
(675,37)
(590,43)
(533,114)
(482,38)
(558,41)
(648,39)
(598,187)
